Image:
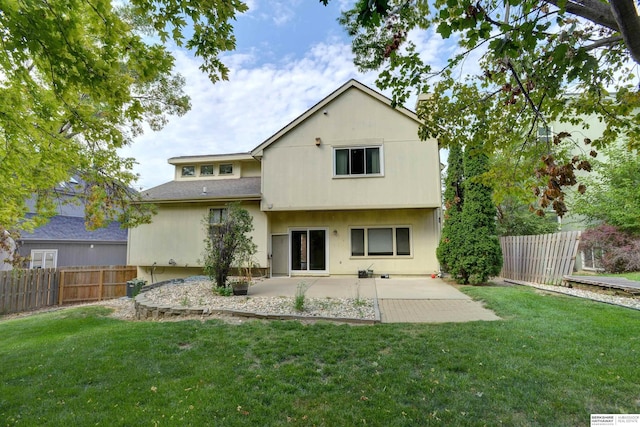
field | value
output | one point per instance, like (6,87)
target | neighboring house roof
(72,228)
(256,152)
(202,190)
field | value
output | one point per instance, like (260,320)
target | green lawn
(552,361)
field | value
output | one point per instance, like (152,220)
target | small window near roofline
(225,169)
(188,171)
(206,170)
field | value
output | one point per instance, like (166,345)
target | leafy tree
(79,79)
(479,255)
(531,54)
(228,244)
(451,237)
(517,219)
(613,193)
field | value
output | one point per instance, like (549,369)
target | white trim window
(545,134)
(44,258)
(592,259)
(358,161)
(189,171)
(225,169)
(206,170)
(381,241)
(216,217)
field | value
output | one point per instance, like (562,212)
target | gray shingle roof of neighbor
(72,228)
(215,189)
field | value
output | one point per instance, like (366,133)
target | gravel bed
(596,296)
(198,294)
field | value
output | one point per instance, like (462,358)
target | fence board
(543,258)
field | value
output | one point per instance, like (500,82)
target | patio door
(279,255)
(309,250)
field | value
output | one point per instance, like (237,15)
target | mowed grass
(552,361)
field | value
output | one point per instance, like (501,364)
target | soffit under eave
(250,198)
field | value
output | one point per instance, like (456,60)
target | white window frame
(545,134)
(394,238)
(592,258)
(207,174)
(221,173)
(223,215)
(44,255)
(308,271)
(360,175)
(188,175)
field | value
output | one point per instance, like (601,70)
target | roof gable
(351,84)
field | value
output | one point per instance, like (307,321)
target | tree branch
(603,42)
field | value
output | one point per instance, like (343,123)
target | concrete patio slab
(433,311)
(316,287)
(399,300)
(418,289)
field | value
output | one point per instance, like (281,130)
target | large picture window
(380,241)
(358,161)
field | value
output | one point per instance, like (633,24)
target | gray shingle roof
(72,228)
(215,189)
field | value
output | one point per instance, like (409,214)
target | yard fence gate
(542,258)
(23,290)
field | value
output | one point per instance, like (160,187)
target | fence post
(61,288)
(100,285)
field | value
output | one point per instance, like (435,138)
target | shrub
(227,243)
(478,255)
(620,249)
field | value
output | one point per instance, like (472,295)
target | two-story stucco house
(346,186)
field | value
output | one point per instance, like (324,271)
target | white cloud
(239,114)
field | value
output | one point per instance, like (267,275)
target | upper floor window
(226,169)
(206,170)
(188,171)
(358,161)
(545,134)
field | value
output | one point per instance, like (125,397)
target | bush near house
(228,243)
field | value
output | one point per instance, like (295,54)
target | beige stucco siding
(298,174)
(424,238)
(177,233)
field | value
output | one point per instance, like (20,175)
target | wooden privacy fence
(23,290)
(94,283)
(542,258)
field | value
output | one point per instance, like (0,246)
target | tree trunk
(625,13)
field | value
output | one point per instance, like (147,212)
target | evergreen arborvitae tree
(453,202)
(479,256)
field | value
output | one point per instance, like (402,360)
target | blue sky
(290,54)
